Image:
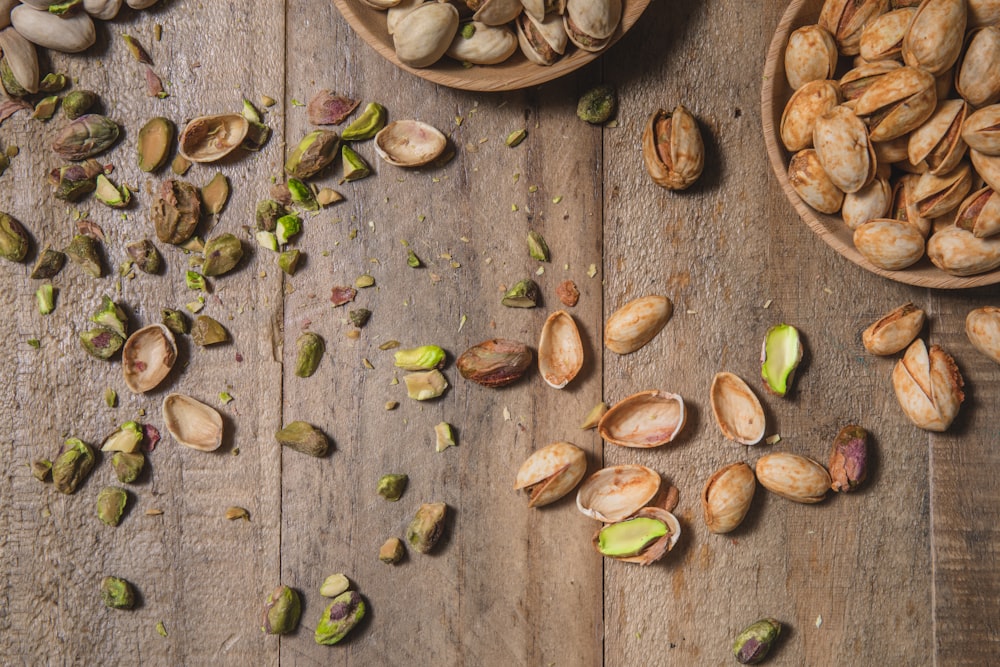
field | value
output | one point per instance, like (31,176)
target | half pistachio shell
(560,350)
(647,419)
(147,357)
(590,23)
(636,323)
(542,42)
(895,331)
(192,423)
(630,542)
(551,472)
(928,386)
(793,477)
(737,409)
(211,138)
(616,493)
(409,143)
(982,326)
(726,497)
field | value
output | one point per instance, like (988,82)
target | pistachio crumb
(225,397)
(767,304)
(462,321)
(391,405)
(367,364)
(506,414)
(592,271)
(556,200)
(154,512)
(161,629)
(234,513)
(773,439)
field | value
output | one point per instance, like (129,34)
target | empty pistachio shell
(928,386)
(779,357)
(409,143)
(147,357)
(894,331)
(726,497)
(644,538)
(982,326)
(889,244)
(211,138)
(647,419)
(192,423)
(560,350)
(793,477)
(737,409)
(616,493)
(636,323)
(551,472)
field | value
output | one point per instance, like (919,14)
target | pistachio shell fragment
(494,363)
(982,326)
(551,472)
(726,497)
(616,493)
(409,143)
(928,386)
(155,141)
(737,409)
(636,323)
(560,350)
(211,138)
(793,477)
(894,331)
(644,420)
(192,423)
(644,538)
(779,357)
(147,357)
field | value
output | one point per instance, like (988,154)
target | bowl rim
(485,78)
(921,274)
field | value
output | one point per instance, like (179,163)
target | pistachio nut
(145,256)
(597,105)
(960,253)
(423,34)
(987,167)
(846,19)
(928,386)
(898,102)
(41,469)
(211,138)
(73,181)
(806,104)
(560,350)
(811,55)
(812,184)
(982,130)
(551,472)
(208,331)
(983,12)
(355,166)
(982,326)
(328,108)
(176,211)
(537,247)
(938,142)
(101,343)
(85,137)
(78,102)
(979,213)
(894,331)
(303,437)
(872,201)
(110,194)
(50,262)
(672,148)
(977,78)
(644,538)
(936,195)
(215,194)
(316,150)
(752,645)
(267,214)
(494,363)
(779,357)
(904,204)
(486,45)
(391,486)
(421,358)
(72,465)
(175,321)
(339,618)
(391,551)
(117,593)
(111,503)
(793,477)
(933,40)
(128,466)
(192,423)
(53,82)
(849,458)
(21,58)
(636,323)
(67,33)
(427,527)
(282,609)
(883,38)
(889,244)
(590,23)
(616,493)
(524,294)
(425,386)
(643,420)
(737,409)
(542,42)
(111,316)
(126,438)
(726,497)
(14,239)
(286,227)
(410,143)
(310,351)
(856,81)
(844,151)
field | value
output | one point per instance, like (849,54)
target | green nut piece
(111,317)
(597,105)
(427,526)
(86,137)
(282,610)
(145,255)
(421,358)
(339,618)
(367,125)
(128,466)
(391,486)
(516,137)
(257,136)
(444,436)
(73,181)
(208,331)
(359,317)
(250,112)
(41,469)
(215,194)
(52,83)
(522,295)
(110,194)
(222,254)
(46,108)
(310,351)
(72,465)
(78,102)
(110,397)
(316,150)
(176,211)
(467,30)
(412,260)
(268,212)
(45,295)
(302,195)
(288,261)
(630,537)
(195,281)
(126,439)
(101,343)
(537,247)
(303,437)
(85,252)
(156,139)
(176,321)
(425,386)
(780,357)
(751,645)
(391,551)
(267,240)
(13,239)
(50,263)
(355,166)
(65,7)
(117,593)
(111,505)
(287,226)
(334,585)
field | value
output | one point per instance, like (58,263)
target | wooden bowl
(513,74)
(774,95)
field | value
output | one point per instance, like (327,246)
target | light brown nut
(811,183)
(982,326)
(889,244)
(793,477)
(928,386)
(938,143)
(726,497)
(987,167)
(672,148)
(551,472)
(811,55)
(937,195)
(805,105)
(958,252)
(895,331)
(846,19)
(843,149)
(636,323)
(897,102)
(977,77)
(983,12)
(882,39)
(934,38)
(982,130)
(980,213)
(868,203)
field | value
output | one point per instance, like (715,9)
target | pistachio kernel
(117,593)
(310,352)
(391,486)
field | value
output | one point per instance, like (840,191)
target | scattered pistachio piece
(119,594)
(363,281)
(302,195)
(72,465)
(516,137)
(287,226)
(53,82)
(568,293)
(425,386)
(208,331)
(83,251)
(161,629)
(50,263)
(180,165)
(110,397)
(339,618)
(176,321)
(391,486)
(126,438)
(195,281)
(594,416)
(444,436)
(41,469)
(420,358)
(46,108)
(359,317)
(391,551)
(154,512)
(145,255)
(78,102)
(524,294)
(288,261)
(128,466)
(597,105)
(282,610)
(225,397)
(45,295)
(310,351)
(316,150)
(215,194)
(136,49)
(303,437)
(412,260)
(327,196)
(267,240)
(334,585)
(110,194)
(355,166)
(111,504)
(427,527)
(537,247)
(222,254)
(752,645)
(367,125)
(267,214)
(391,405)
(101,343)
(233,513)
(327,108)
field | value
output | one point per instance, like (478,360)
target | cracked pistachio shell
(937,195)
(904,204)
(982,326)
(897,102)
(988,168)
(147,357)
(811,55)
(644,538)
(779,357)
(928,386)
(211,138)
(938,142)
(422,35)
(883,38)
(806,104)
(856,81)
(737,409)
(933,40)
(616,493)
(870,202)
(981,130)
(410,143)
(980,213)
(844,151)
(889,244)
(488,45)
(672,148)
(726,497)
(960,253)
(846,19)
(590,23)
(560,350)
(636,323)
(977,77)
(70,33)
(644,420)
(192,423)
(812,184)
(551,472)
(894,331)
(542,42)
(793,477)
(427,526)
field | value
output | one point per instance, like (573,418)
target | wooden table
(902,572)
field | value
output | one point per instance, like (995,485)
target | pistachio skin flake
(72,465)
(282,610)
(339,618)
(117,593)
(427,527)
(310,352)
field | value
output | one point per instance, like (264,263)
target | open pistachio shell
(147,357)
(928,386)
(894,331)
(779,357)
(542,42)
(726,497)
(846,19)
(937,195)
(590,23)
(812,184)
(672,148)
(982,326)
(897,102)
(192,423)
(938,142)
(647,419)
(409,143)
(560,350)
(211,138)
(630,542)
(616,493)
(737,409)
(551,472)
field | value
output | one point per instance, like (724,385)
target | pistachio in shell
(86,137)
(812,184)
(644,538)
(211,138)
(928,386)
(933,40)
(726,497)
(551,472)
(409,143)
(560,350)
(644,420)
(147,357)
(982,326)
(979,213)
(794,477)
(811,55)
(154,144)
(176,211)
(616,493)
(894,331)
(542,40)
(192,423)
(636,323)
(494,363)
(959,252)
(423,34)
(672,148)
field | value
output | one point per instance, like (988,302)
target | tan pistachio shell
(897,102)
(793,477)
(958,252)
(498,12)
(934,38)
(812,184)
(928,386)
(147,357)
(22,58)
(636,323)
(616,493)
(844,151)
(657,549)
(672,148)
(726,497)
(551,472)
(192,423)
(856,81)
(647,419)
(870,202)
(980,213)
(982,326)
(938,142)
(811,55)
(66,33)
(409,143)
(488,45)
(396,13)
(381,4)
(560,350)
(894,331)
(937,195)
(806,104)
(892,151)
(211,138)
(846,20)
(542,42)
(987,167)
(889,244)
(982,130)
(904,204)
(422,34)
(983,12)
(590,23)
(737,409)
(882,39)
(977,76)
